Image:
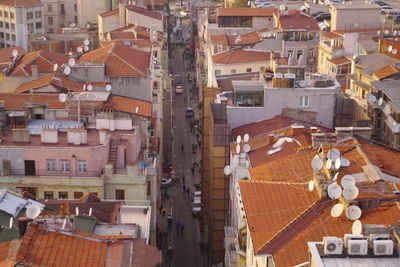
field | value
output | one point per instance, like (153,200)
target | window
(1,13)
(50,20)
(249,99)
(148,188)
(217,72)
(48,195)
(1,24)
(38,14)
(82,165)
(62,11)
(303,101)
(6,14)
(13,26)
(12,37)
(7,25)
(29,15)
(75,7)
(233,71)
(262,69)
(2,35)
(119,194)
(30,27)
(248,70)
(78,195)
(11,15)
(7,36)
(63,195)
(49,8)
(51,30)
(76,19)
(38,25)
(51,165)
(65,165)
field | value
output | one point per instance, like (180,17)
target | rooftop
(240,56)
(109,13)
(297,20)
(6,55)
(331,35)
(55,79)
(387,71)
(20,3)
(131,105)
(245,12)
(390,89)
(145,12)
(373,62)
(339,60)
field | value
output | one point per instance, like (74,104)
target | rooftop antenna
(337,210)
(86,42)
(238,139)
(227,170)
(90,211)
(237,149)
(246,148)
(76,210)
(334,191)
(344,162)
(353,212)
(394,51)
(328,164)
(370,98)
(71,62)
(85,48)
(64,223)
(79,49)
(137,109)
(311,185)
(67,70)
(356,229)
(316,163)
(14,52)
(390,48)
(32,211)
(62,97)
(246,137)
(337,163)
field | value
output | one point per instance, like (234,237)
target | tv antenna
(316,163)
(227,170)
(14,52)
(370,98)
(246,148)
(64,223)
(282,7)
(338,162)
(108,87)
(390,48)
(328,164)
(86,48)
(246,138)
(86,42)
(350,193)
(394,51)
(356,229)
(334,191)
(55,67)
(353,212)
(337,210)
(90,211)
(32,211)
(344,162)
(380,101)
(79,49)
(89,87)
(333,154)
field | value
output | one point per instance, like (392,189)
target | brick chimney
(49,135)
(322,139)
(345,132)
(77,135)
(102,136)
(271,139)
(20,133)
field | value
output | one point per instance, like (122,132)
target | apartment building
(59,14)
(18,19)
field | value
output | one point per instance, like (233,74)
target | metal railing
(59,173)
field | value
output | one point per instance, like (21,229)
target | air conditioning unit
(332,245)
(383,247)
(357,247)
(348,237)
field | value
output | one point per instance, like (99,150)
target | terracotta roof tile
(145,12)
(127,33)
(386,71)
(59,80)
(218,39)
(246,12)
(331,35)
(282,61)
(4,250)
(109,13)
(339,60)
(263,127)
(297,20)
(21,3)
(6,53)
(240,56)
(119,60)
(130,105)
(244,39)
(144,255)
(19,101)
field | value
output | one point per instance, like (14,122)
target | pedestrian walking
(178,226)
(192,170)
(183,178)
(188,191)
(183,187)
(182,148)
(182,227)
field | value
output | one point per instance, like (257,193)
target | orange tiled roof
(240,56)
(331,35)
(21,3)
(109,13)
(386,71)
(119,60)
(40,247)
(58,79)
(339,60)
(127,33)
(4,250)
(130,105)
(145,12)
(244,39)
(19,101)
(282,61)
(156,2)
(263,127)
(218,39)
(44,62)
(297,20)
(6,53)
(245,12)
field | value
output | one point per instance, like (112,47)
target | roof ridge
(126,62)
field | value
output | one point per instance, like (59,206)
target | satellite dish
(108,87)
(71,62)
(282,7)
(337,210)
(380,101)
(353,213)
(67,70)
(89,87)
(386,32)
(327,2)
(356,229)
(246,138)
(394,33)
(79,49)
(14,52)
(338,162)
(90,211)
(316,163)
(303,8)
(390,48)
(334,191)
(86,42)
(227,170)
(333,154)
(370,98)
(55,67)
(137,109)
(328,164)
(237,149)
(344,162)
(348,181)
(350,193)
(394,51)
(62,97)
(335,177)
(86,48)
(311,185)
(246,148)
(269,34)
(238,139)
(32,211)
(10,225)
(76,210)
(302,84)
(64,223)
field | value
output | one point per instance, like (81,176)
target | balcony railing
(57,173)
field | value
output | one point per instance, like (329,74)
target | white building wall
(141,20)
(88,10)
(60,17)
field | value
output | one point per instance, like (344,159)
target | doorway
(30,168)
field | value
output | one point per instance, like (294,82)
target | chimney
(122,13)
(271,138)
(34,71)
(77,136)
(102,136)
(297,129)
(322,139)
(20,133)
(345,132)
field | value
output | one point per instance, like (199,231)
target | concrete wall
(107,24)
(353,17)
(16,156)
(88,10)
(144,21)
(262,23)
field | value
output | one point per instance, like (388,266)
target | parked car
(391,13)
(265,4)
(323,16)
(196,207)
(381,3)
(178,90)
(385,9)
(165,182)
(189,112)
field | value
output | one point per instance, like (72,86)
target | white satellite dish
(89,87)
(62,97)
(14,52)
(64,223)
(316,163)
(394,33)
(32,211)
(137,110)
(333,154)
(227,170)
(328,164)
(350,193)
(370,98)
(338,162)
(394,51)
(335,177)
(344,162)
(246,138)
(380,101)
(237,149)
(108,87)
(311,185)
(79,49)
(390,48)
(86,42)
(76,211)
(86,48)
(238,139)
(67,70)
(327,2)
(303,8)
(348,181)
(71,62)
(90,211)
(10,225)
(386,32)
(282,7)
(337,210)
(269,34)
(356,229)
(246,148)
(55,67)
(353,213)
(334,191)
